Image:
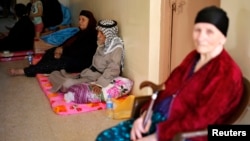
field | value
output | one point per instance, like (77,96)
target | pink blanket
(59,106)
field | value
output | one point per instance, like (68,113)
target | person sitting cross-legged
(106,66)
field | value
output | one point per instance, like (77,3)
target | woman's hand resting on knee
(58,52)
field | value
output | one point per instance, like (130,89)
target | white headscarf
(110,30)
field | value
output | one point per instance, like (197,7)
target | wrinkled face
(101,38)
(83,22)
(207,38)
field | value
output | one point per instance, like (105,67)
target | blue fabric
(58,37)
(121,132)
(66,15)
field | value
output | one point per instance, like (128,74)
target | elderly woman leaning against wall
(74,55)
(204,89)
(107,62)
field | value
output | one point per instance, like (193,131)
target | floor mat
(59,106)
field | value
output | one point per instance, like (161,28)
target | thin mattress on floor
(58,104)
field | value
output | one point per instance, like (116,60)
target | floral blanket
(61,107)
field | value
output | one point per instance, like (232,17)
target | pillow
(119,87)
(82,93)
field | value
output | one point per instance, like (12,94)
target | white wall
(238,41)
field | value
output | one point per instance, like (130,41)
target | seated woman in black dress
(74,55)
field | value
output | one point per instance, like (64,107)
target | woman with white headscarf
(107,62)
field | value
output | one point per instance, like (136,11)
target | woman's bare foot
(16,72)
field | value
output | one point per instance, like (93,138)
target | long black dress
(20,37)
(77,55)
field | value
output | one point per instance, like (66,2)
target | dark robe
(20,37)
(77,55)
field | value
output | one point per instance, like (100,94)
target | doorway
(177,18)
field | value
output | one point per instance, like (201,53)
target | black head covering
(20,10)
(52,13)
(92,20)
(215,16)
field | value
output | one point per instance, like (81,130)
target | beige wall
(23,1)
(133,22)
(64,2)
(139,23)
(139,27)
(238,41)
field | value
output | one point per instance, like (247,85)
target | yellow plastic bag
(123,107)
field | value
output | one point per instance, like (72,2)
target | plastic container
(109,107)
(30,59)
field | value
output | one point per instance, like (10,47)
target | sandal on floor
(16,72)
